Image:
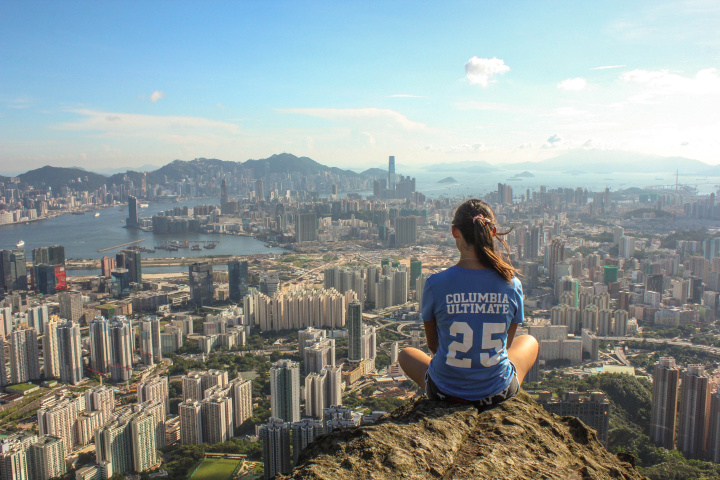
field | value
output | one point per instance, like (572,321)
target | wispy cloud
(362,116)
(405,95)
(573,84)
(156,95)
(606,67)
(480,71)
(135,125)
(16,102)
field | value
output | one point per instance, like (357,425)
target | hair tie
(482,218)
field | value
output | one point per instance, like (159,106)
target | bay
(83,235)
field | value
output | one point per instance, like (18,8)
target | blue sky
(112,84)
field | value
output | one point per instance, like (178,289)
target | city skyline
(348,85)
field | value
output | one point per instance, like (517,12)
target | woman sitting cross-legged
(471,312)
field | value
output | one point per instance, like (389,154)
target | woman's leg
(414,363)
(523,354)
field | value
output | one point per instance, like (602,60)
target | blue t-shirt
(473,309)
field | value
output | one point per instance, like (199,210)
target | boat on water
(143,205)
(210,245)
(20,244)
(196,247)
(97,214)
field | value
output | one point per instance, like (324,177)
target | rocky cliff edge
(436,440)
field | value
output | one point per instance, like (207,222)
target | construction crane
(100,374)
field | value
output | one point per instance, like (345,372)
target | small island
(524,174)
(448,180)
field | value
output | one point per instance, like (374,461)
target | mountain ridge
(424,439)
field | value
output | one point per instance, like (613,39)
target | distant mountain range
(79,179)
(590,161)
(577,161)
(614,161)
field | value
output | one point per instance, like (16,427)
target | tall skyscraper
(713,443)
(3,363)
(47,458)
(306,228)
(693,412)
(132,218)
(202,288)
(285,390)
(238,280)
(101,399)
(150,344)
(415,272)
(555,253)
(133,263)
(100,344)
(144,445)
(14,464)
(51,356)
(223,193)
(275,437)
(242,400)
(664,403)
(24,356)
(113,444)
(58,418)
(121,348)
(71,306)
(259,189)
(69,351)
(191,424)
(107,265)
(391,173)
(155,390)
(406,230)
(355,331)
(13,270)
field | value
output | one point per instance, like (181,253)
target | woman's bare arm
(431,335)
(511,334)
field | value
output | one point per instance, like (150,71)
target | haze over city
(109,85)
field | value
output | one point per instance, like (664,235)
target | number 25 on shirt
(488,343)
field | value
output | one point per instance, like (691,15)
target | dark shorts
(434,393)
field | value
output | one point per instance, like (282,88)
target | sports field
(215,469)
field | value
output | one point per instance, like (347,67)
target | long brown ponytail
(478,226)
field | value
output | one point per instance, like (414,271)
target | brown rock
(436,440)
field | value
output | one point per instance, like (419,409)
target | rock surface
(436,440)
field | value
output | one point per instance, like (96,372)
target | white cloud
(556,141)
(663,82)
(605,67)
(480,71)
(379,117)
(573,84)
(156,95)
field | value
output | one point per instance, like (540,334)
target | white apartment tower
(242,400)
(693,412)
(69,351)
(664,403)
(275,436)
(47,458)
(24,356)
(285,390)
